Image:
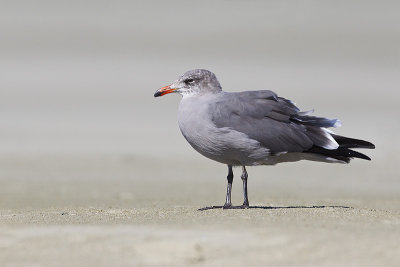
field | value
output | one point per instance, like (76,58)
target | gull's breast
(224,145)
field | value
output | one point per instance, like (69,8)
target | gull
(252,128)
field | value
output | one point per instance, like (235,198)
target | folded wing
(273,121)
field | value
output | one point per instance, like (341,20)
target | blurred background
(79,124)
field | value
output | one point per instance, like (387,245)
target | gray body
(253,128)
(248,128)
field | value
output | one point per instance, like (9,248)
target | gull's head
(191,83)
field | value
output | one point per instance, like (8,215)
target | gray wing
(273,121)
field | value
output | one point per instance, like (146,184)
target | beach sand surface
(124,212)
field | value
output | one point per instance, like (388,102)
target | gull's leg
(228,202)
(244,179)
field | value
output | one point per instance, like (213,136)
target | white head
(193,82)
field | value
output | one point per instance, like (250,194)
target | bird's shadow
(274,208)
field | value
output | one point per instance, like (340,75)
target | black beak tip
(157,94)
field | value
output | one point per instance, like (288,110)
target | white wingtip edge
(338,123)
(332,144)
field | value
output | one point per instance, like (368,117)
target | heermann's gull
(253,128)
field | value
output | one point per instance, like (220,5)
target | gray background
(78,77)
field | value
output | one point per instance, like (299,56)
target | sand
(115,218)
(182,236)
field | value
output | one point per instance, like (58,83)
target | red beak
(164,90)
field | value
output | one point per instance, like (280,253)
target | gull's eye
(189,81)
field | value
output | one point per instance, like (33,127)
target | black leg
(245,196)
(228,202)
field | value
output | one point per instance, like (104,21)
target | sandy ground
(125,213)
(182,236)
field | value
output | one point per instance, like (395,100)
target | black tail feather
(351,142)
(343,152)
